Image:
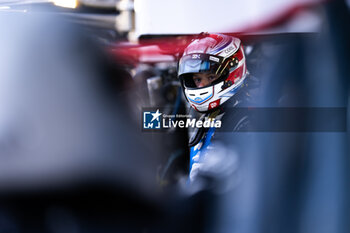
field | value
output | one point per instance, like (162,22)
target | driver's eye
(212,77)
(197,80)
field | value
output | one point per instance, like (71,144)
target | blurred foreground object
(291,181)
(70,160)
(59,105)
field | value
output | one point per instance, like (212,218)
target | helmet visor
(199,63)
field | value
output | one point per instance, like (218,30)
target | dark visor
(199,63)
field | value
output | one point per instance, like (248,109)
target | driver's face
(204,79)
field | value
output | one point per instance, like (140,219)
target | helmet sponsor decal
(196,56)
(215,59)
(214,104)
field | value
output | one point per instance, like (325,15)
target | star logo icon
(156,115)
(151,119)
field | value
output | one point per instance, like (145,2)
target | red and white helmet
(217,54)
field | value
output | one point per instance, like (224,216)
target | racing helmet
(217,54)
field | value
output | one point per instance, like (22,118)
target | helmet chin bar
(208,98)
(204,99)
(200,95)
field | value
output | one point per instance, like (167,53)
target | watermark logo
(152,120)
(155,119)
(250,119)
